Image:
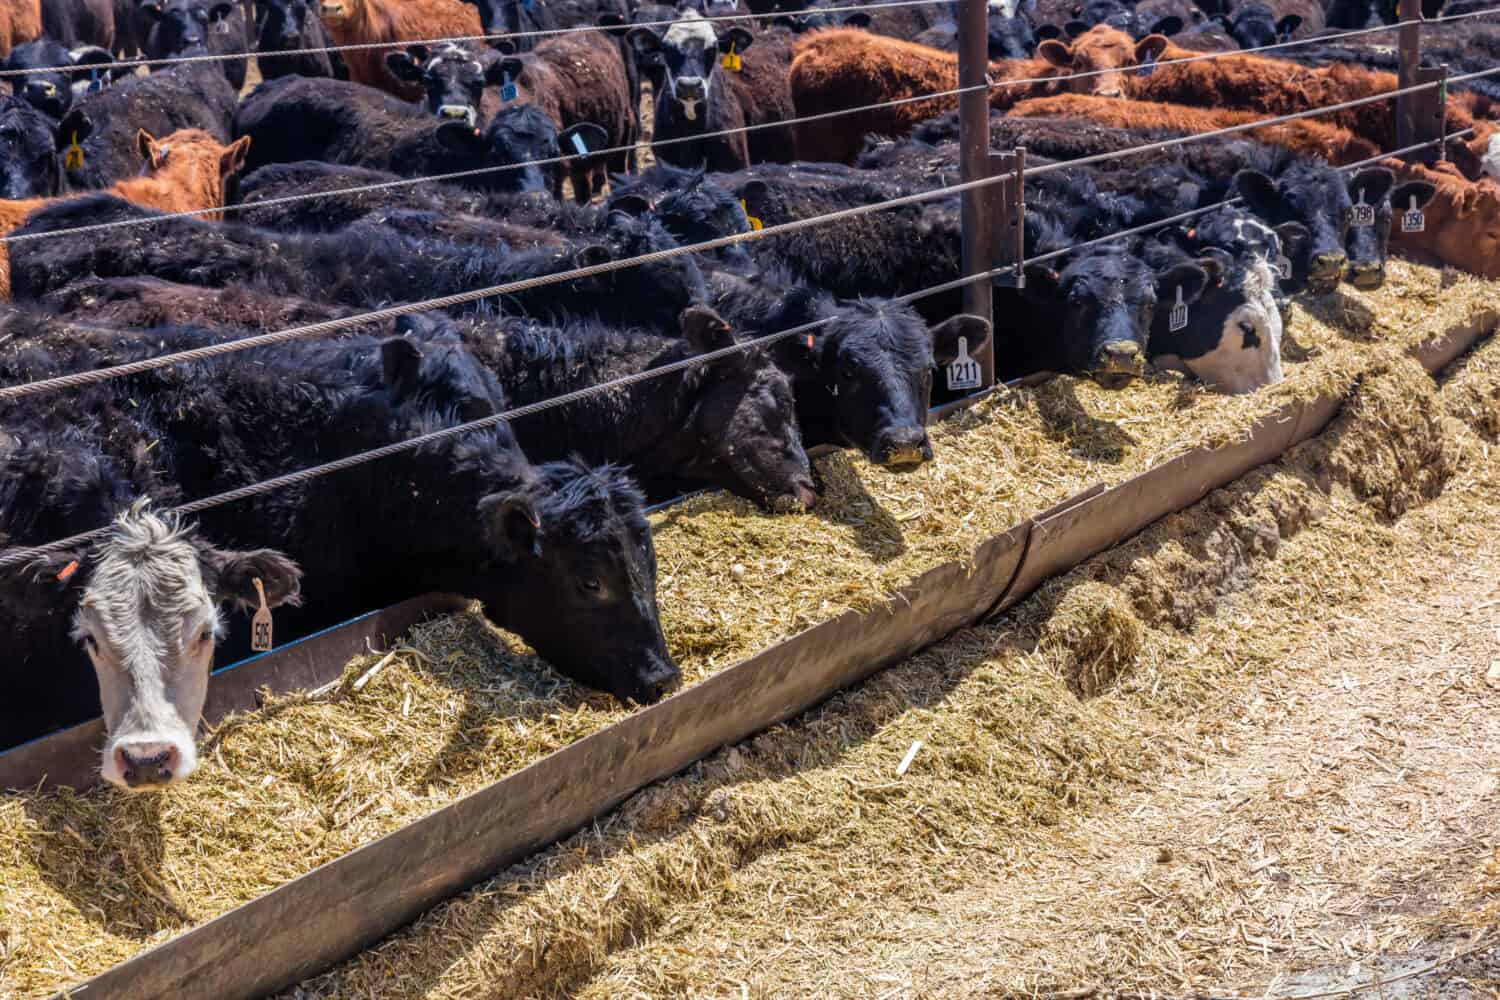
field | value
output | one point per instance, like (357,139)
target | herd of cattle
(543,519)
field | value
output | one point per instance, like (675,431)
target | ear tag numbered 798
(1177,320)
(1412,220)
(507,89)
(963,371)
(260,625)
(1364,215)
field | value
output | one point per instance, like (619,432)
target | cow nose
(144,765)
(1108,92)
(461,112)
(1326,264)
(802,495)
(657,682)
(690,86)
(1118,363)
(902,448)
(1367,275)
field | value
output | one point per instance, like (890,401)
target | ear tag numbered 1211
(963,371)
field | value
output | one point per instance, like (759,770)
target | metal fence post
(974,164)
(1420,117)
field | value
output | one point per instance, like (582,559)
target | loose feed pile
(96,877)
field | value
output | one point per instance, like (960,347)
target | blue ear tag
(579,145)
(507,89)
(95,84)
(527,4)
(1148,67)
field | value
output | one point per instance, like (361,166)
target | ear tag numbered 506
(1364,215)
(963,371)
(507,89)
(1412,220)
(1177,319)
(260,625)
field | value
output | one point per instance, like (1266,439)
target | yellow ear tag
(73,160)
(731,60)
(260,625)
(755,224)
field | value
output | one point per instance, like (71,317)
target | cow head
(1367,245)
(1103,51)
(48,83)
(453,76)
(822,15)
(429,367)
(690,53)
(512,17)
(1254,25)
(181,26)
(519,134)
(29,142)
(744,420)
(1105,300)
(198,164)
(1317,197)
(873,364)
(692,207)
(578,578)
(148,600)
(282,25)
(1232,341)
(1009,31)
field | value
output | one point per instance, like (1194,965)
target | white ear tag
(1364,215)
(1178,318)
(1284,265)
(1412,220)
(963,371)
(260,625)
(221,27)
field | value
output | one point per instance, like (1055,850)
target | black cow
(453,77)
(1008,36)
(690,205)
(559,553)
(299,119)
(1121,15)
(107,123)
(50,88)
(863,379)
(288,33)
(525,16)
(1361,13)
(76,23)
(29,143)
(198,27)
(1367,244)
(1253,25)
(365,265)
(694,99)
(731,423)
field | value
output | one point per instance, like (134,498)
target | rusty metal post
(974,164)
(1410,54)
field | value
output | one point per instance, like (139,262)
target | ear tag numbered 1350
(1178,318)
(963,371)
(1364,215)
(1412,220)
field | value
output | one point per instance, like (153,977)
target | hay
(1094,635)
(96,877)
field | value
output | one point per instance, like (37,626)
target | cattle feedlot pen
(822,116)
(546,32)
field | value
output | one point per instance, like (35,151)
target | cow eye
(590,585)
(205,636)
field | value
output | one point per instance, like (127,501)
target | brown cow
(1462,219)
(576,79)
(1308,136)
(20,22)
(843,68)
(187,170)
(357,22)
(1277,87)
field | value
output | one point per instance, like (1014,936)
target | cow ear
(232,576)
(151,150)
(705,330)
(1047,32)
(513,523)
(1042,280)
(151,8)
(594,253)
(1215,264)
(1150,48)
(613,24)
(756,195)
(58,571)
(592,136)
(1191,278)
(74,125)
(735,38)
(1056,52)
(495,73)
(220,11)
(1075,27)
(511,66)
(460,137)
(643,40)
(403,67)
(858,20)
(1259,192)
(974,330)
(1420,190)
(1169,25)
(91,55)
(400,365)
(1286,26)
(1374,183)
(630,204)
(232,160)
(1294,237)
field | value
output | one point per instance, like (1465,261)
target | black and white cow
(693,100)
